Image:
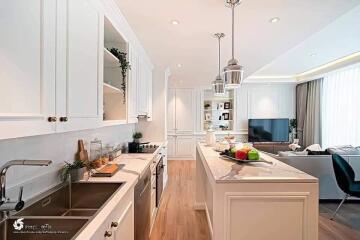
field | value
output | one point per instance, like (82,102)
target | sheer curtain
(340,107)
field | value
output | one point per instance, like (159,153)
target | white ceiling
(257,41)
(339,39)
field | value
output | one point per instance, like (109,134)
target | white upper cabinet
(27,60)
(144,89)
(132,86)
(53,77)
(79,60)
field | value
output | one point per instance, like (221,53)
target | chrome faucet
(5,204)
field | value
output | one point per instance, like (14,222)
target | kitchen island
(255,201)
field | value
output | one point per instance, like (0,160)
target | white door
(132,86)
(185,117)
(27,63)
(171,109)
(171,146)
(80,65)
(185,147)
(125,224)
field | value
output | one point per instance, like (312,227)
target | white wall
(156,130)
(265,100)
(56,147)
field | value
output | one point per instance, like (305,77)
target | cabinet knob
(63,119)
(52,119)
(108,234)
(114,224)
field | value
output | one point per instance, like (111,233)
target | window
(340,107)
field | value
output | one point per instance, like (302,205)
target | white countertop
(230,171)
(135,166)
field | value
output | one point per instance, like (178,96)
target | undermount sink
(65,209)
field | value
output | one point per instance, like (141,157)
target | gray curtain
(308,107)
(301,103)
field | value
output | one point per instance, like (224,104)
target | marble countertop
(135,166)
(224,170)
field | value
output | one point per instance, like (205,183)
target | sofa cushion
(292,153)
(344,150)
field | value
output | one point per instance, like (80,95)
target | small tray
(245,161)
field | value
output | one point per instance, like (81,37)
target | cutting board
(108,171)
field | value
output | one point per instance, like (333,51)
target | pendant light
(219,84)
(233,72)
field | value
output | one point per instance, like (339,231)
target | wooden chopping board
(108,171)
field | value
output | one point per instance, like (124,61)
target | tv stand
(272,147)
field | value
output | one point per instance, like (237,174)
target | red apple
(241,155)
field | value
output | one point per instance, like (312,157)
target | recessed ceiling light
(312,54)
(175,22)
(179,65)
(274,20)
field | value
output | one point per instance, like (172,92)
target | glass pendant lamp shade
(219,84)
(233,72)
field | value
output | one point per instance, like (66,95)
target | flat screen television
(269,130)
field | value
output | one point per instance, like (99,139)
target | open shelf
(110,61)
(214,108)
(114,101)
(111,89)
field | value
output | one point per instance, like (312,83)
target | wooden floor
(176,219)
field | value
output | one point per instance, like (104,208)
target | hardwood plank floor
(177,220)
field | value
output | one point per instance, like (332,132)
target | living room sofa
(320,166)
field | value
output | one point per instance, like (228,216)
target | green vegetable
(253,155)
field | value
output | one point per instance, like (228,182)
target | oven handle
(144,189)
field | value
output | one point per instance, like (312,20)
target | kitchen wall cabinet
(27,59)
(54,83)
(133,85)
(79,65)
(144,94)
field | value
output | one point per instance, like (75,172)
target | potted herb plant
(134,146)
(76,170)
(137,136)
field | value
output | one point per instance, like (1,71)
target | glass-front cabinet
(218,111)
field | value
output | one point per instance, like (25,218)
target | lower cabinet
(121,227)
(120,223)
(181,147)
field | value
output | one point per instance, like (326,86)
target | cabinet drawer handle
(114,224)
(108,234)
(63,119)
(52,119)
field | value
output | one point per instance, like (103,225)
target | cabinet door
(80,64)
(171,108)
(143,93)
(185,146)
(149,91)
(125,228)
(171,147)
(133,85)
(27,60)
(185,116)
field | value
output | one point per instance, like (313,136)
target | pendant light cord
(233,29)
(219,54)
